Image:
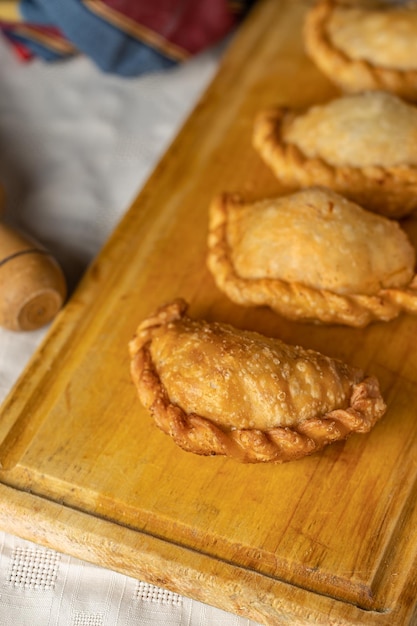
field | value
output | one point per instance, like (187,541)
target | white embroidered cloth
(75,147)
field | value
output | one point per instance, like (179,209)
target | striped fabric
(125,37)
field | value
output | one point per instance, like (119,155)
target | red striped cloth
(123,36)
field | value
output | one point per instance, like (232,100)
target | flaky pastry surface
(312,256)
(363,146)
(365,45)
(217,390)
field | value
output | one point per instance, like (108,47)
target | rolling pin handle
(32,285)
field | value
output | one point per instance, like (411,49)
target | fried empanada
(312,255)
(365,45)
(217,390)
(363,146)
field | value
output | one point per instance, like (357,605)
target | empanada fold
(195,433)
(351,75)
(295,300)
(391,192)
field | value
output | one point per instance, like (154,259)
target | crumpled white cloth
(76,146)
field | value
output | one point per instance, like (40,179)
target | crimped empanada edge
(295,300)
(194,433)
(391,192)
(351,75)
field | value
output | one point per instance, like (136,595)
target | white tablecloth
(75,147)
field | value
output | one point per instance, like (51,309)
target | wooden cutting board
(330,539)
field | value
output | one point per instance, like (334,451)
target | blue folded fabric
(112,49)
(125,37)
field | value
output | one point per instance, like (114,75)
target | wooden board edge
(179,569)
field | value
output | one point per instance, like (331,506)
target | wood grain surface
(329,539)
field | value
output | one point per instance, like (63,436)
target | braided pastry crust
(356,406)
(295,299)
(351,74)
(389,191)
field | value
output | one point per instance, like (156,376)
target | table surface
(63,130)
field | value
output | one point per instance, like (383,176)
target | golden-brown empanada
(219,390)
(312,255)
(365,44)
(363,146)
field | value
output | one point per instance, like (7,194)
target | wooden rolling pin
(32,285)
